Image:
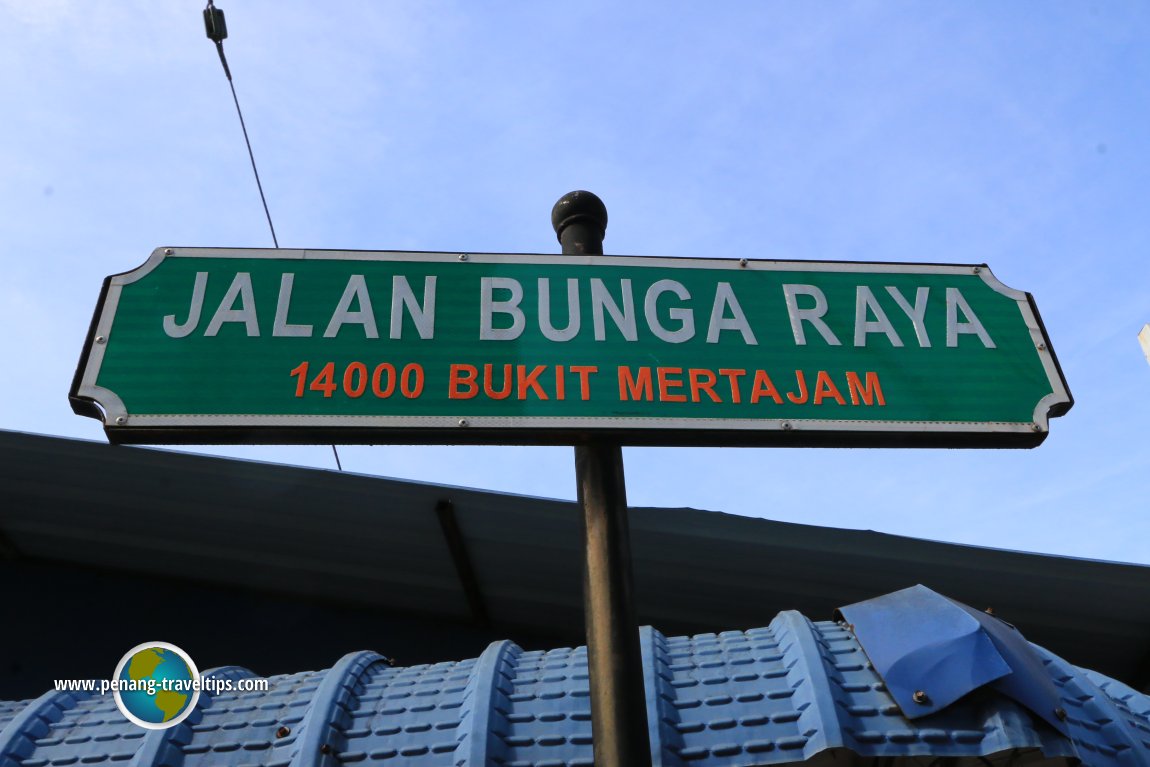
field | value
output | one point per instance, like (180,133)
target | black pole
(618,702)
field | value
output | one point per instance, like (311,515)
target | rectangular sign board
(206,345)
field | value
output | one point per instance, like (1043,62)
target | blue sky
(1012,134)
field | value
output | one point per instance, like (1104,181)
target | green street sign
(205,345)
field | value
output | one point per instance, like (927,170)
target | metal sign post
(618,702)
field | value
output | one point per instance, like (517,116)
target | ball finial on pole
(580,221)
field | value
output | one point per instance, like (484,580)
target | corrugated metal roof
(787,693)
(377,543)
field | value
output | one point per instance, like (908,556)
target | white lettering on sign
(684,316)
(240,288)
(550,332)
(281,327)
(489,307)
(356,291)
(669,311)
(180,331)
(403,297)
(866,303)
(624,318)
(955,303)
(724,300)
(813,315)
(916,313)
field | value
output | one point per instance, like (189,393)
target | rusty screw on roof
(990,611)
(1061,714)
(283,731)
(325,749)
(920,697)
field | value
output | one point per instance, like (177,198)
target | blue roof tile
(774,695)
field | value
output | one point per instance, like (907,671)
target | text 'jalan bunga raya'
(665,308)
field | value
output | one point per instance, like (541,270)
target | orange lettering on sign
(301,371)
(488,385)
(764,387)
(531,381)
(733,375)
(584,372)
(702,380)
(867,394)
(825,387)
(634,388)
(325,381)
(355,380)
(411,380)
(666,383)
(802,394)
(461,382)
(376,376)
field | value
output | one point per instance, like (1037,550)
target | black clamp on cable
(214,24)
(217,31)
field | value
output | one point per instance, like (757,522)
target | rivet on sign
(167,251)
(1061,714)
(462,421)
(120,419)
(787,426)
(977,269)
(743,262)
(1042,347)
(920,697)
(100,339)
(1036,427)
(462,256)
(283,731)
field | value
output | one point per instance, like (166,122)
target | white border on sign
(116,414)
